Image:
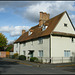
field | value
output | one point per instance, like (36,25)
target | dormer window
(65,24)
(29,33)
(44,27)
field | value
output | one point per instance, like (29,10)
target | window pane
(40,40)
(65,53)
(40,53)
(24,52)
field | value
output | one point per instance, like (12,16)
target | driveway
(14,67)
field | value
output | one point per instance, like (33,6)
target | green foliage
(15,56)
(34,59)
(3,41)
(9,47)
(22,57)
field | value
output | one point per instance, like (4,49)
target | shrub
(22,57)
(13,57)
(34,59)
(15,54)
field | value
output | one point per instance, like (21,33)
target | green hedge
(22,57)
(34,59)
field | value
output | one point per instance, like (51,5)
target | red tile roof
(37,32)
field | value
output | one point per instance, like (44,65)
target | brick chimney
(23,31)
(43,18)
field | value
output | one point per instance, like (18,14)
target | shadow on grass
(5,65)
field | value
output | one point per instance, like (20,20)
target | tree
(3,41)
(9,47)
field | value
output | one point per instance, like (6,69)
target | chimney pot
(23,31)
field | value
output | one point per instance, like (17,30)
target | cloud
(2,9)
(30,9)
(10,41)
(52,7)
(73,18)
(13,31)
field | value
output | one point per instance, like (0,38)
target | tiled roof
(37,32)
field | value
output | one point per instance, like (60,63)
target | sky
(18,15)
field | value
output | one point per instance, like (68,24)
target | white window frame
(44,27)
(67,53)
(40,40)
(29,33)
(24,53)
(31,42)
(16,45)
(24,44)
(40,53)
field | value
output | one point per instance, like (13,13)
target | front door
(31,54)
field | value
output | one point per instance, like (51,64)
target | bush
(34,59)
(15,56)
(22,57)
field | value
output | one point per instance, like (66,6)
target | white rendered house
(53,39)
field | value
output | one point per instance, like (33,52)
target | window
(24,52)
(40,40)
(31,42)
(29,33)
(65,24)
(40,53)
(72,39)
(24,44)
(16,45)
(44,27)
(66,53)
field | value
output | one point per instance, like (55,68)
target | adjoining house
(52,39)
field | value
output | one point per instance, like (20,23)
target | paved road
(8,67)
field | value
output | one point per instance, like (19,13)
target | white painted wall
(59,44)
(36,47)
(61,28)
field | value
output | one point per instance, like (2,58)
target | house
(52,40)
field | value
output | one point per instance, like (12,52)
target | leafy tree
(9,47)
(3,41)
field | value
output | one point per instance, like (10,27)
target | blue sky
(18,15)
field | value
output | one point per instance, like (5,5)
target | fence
(56,59)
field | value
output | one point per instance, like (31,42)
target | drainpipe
(50,47)
(19,48)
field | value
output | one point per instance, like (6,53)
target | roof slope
(37,32)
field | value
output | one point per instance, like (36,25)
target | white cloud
(2,9)
(10,41)
(52,7)
(14,31)
(73,18)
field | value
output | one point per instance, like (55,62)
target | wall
(61,28)
(4,54)
(36,47)
(59,44)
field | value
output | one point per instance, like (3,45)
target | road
(8,67)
